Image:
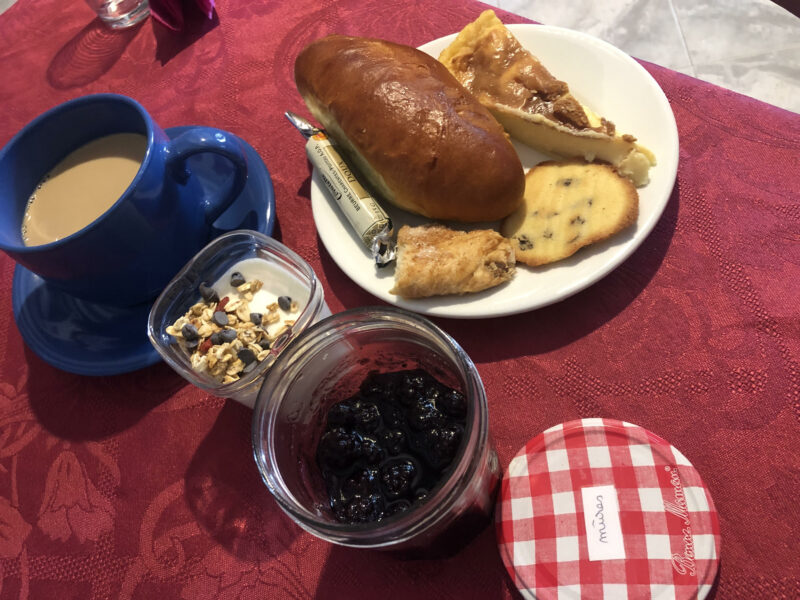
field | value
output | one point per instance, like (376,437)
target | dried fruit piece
(246,355)
(208,293)
(285,302)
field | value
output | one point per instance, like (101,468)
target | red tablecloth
(140,485)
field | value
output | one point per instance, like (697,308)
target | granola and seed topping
(227,337)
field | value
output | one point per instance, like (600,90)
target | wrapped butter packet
(365,215)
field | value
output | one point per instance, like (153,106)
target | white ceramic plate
(613,85)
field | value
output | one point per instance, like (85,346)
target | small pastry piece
(569,205)
(434,261)
(534,106)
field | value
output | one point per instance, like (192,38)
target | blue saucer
(94,339)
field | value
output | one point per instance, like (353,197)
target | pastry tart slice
(532,105)
(433,260)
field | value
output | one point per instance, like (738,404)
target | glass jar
(326,364)
(282,271)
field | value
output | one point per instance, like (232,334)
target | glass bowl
(283,273)
(326,364)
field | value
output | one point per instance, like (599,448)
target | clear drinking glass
(326,364)
(119,14)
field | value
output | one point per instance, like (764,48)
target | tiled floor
(750,46)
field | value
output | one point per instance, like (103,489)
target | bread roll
(418,137)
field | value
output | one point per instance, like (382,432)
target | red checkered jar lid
(599,508)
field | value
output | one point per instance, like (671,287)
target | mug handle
(208,139)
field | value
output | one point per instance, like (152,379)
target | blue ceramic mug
(130,252)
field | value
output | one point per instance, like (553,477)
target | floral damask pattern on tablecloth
(140,486)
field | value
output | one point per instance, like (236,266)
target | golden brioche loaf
(419,138)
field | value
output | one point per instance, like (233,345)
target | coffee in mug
(125,246)
(81,187)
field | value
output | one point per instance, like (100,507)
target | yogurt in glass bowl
(223,320)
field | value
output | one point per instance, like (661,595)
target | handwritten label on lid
(601,518)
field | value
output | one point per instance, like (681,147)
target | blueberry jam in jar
(385,448)
(372,431)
